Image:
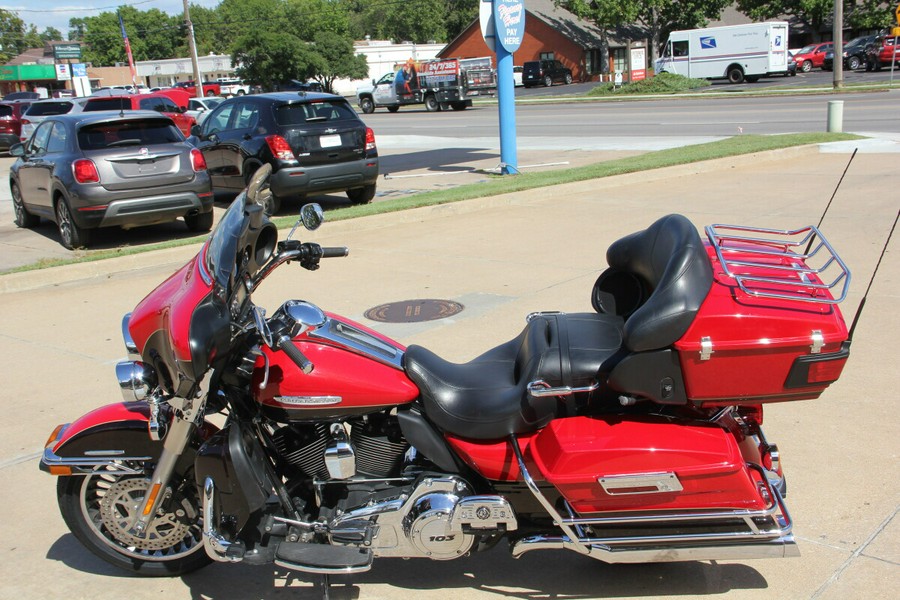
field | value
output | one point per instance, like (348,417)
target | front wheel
(736,75)
(99,509)
(853,63)
(568,78)
(806,67)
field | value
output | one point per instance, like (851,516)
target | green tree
(606,15)
(32,38)
(269,58)
(77,28)
(459,15)
(51,34)
(663,16)
(869,14)
(338,60)
(12,36)
(813,13)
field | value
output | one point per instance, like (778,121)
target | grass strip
(497,185)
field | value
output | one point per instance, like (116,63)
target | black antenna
(833,194)
(862,302)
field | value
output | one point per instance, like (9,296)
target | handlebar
(307,254)
(286,345)
(335,252)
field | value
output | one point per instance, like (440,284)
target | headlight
(135,380)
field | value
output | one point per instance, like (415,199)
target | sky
(56,13)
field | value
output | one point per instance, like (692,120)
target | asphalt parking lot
(500,257)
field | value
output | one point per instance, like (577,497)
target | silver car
(102,169)
(42,109)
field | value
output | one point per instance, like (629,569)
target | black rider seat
(487,398)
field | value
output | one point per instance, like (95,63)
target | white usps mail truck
(737,53)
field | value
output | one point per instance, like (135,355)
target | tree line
(278,40)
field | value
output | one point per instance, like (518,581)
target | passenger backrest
(670,258)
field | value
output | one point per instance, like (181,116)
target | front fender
(109,436)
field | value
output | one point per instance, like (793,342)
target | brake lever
(259,319)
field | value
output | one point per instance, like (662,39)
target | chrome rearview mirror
(312,216)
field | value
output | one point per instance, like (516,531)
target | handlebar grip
(335,252)
(286,345)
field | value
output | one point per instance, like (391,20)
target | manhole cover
(413,311)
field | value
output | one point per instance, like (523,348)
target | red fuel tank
(357,371)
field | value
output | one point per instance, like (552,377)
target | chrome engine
(439,518)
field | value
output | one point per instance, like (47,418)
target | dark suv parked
(316,143)
(854,53)
(545,72)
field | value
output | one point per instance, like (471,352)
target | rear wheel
(99,509)
(70,234)
(24,219)
(736,75)
(200,222)
(367,105)
(431,103)
(362,195)
(548,81)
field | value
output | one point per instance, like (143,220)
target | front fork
(185,421)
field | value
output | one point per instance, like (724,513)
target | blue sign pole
(509,28)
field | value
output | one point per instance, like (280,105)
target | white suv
(42,109)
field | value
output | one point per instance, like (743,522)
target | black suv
(854,53)
(316,143)
(545,72)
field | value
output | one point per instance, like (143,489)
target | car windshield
(806,50)
(46,109)
(211,103)
(111,134)
(288,115)
(108,104)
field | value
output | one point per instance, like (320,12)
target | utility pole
(195,62)
(838,37)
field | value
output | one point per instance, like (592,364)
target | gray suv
(89,170)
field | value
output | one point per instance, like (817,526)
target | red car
(155,101)
(11,122)
(812,56)
(209,88)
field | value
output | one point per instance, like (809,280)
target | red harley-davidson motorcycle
(628,434)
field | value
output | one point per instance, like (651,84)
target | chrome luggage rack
(765,263)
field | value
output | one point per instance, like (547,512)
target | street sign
(638,64)
(509,20)
(62,72)
(486,19)
(67,52)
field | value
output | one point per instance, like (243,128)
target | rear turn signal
(280,148)
(370,139)
(197,161)
(85,171)
(818,369)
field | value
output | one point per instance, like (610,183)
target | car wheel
(23,219)
(853,63)
(367,105)
(70,234)
(362,195)
(431,103)
(548,81)
(393,109)
(241,92)
(568,78)
(199,223)
(736,75)
(806,67)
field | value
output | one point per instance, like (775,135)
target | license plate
(330,141)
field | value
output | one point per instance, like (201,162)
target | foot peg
(322,558)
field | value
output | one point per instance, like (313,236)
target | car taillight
(25,122)
(370,139)
(280,148)
(85,171)
(197,161)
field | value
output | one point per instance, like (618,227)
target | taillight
(280,148)
(25,122)
(370,139)
(197,161)
(817,369)
(85,171)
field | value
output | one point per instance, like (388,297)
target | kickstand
(326,584)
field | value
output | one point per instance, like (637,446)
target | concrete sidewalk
(501,258)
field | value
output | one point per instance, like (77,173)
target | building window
(619,60)
(547,56)
(594,61)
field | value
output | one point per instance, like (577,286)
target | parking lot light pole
(838,36)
